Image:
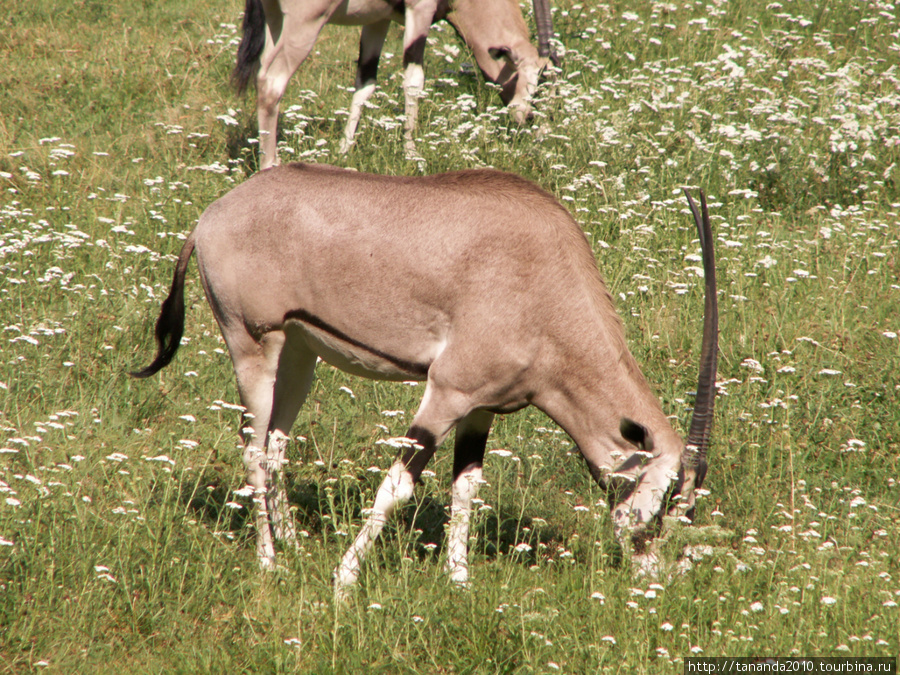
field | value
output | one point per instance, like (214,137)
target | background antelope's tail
(251,47)
(170,324)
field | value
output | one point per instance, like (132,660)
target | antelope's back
(358,250)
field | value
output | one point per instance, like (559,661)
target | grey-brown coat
(477,282)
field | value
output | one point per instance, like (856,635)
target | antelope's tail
(170,324)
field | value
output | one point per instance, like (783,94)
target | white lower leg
(356,109)
(413,86)
(268,140)
(276,459)
(270,88)
(396,489)
(254,457)
(465,488)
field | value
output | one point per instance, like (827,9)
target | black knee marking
(415,53)
(468,450)
(416,457)
(367,69)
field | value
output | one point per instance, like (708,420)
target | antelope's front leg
(438,413)
(396,489)
(468,456)
(465,488)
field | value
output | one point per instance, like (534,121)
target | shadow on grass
(241,141)
(208,497)
(238,143)
(210,500)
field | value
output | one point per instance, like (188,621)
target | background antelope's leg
(419,16)
(256,365)
(296,369)
(471,437)
(434,420)
(289,40)
(370,43)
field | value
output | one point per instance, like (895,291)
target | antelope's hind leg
(255,366)
(296,369)
(289,40)
(273,380)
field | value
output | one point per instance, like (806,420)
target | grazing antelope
(478,283)
(278,35)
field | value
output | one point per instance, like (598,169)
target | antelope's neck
(592,400)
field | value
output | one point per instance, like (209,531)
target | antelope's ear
(636,434)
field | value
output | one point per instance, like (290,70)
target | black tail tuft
(251,47)
(169,329)
(170,324)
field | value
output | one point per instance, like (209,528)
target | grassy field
(123,546)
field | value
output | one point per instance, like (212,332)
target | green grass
(124,548)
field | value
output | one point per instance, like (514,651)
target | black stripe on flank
(410,367)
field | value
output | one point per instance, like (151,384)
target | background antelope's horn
(544,21)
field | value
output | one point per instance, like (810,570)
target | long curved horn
(694,459)
(544,21)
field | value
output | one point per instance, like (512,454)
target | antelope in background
(478,283)
(278,35)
